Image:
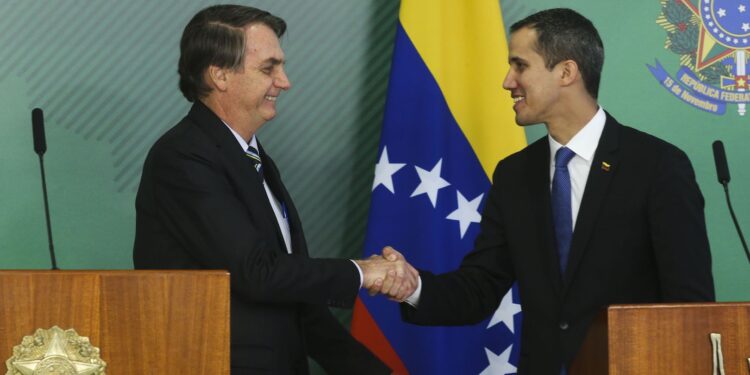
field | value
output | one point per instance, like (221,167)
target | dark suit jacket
(201,205)
(640,237)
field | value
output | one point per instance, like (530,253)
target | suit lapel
(240,169)
(597,185)
(273,179)
(539,202)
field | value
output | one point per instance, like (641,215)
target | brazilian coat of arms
(712,40)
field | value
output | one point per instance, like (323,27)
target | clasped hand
(389,274)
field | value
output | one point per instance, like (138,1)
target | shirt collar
(584,143)
(240,140)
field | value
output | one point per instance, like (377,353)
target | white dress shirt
(583,144)
(278,208)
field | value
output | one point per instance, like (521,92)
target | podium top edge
(678,305)
(114,272)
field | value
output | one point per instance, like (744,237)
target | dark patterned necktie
(254,156)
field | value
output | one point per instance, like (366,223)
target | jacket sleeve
(678,231)
(198,205)
(469,294)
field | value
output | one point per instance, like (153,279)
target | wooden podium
(144,322)
(666,339)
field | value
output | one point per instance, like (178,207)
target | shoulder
(647,146)
(522,160)
(184,144)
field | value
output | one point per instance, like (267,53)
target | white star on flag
(467,212)
(499,364)
(430,182)
(506,312)
(741,8)
(722,12)
(745,26)
(384,171)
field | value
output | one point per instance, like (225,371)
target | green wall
(105,74)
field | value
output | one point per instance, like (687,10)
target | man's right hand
(389,274)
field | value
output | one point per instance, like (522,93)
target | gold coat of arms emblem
(55,352)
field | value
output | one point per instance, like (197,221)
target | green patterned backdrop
(105,74)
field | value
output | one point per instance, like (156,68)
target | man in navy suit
(594,214)
(211,198)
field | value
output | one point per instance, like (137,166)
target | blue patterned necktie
(562,214)
(254,156)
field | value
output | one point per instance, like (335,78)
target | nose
(282,80)
(510,81)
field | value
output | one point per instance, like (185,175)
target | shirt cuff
(361,276)
(413,299)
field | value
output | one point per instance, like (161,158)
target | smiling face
(534,88)
(255,86)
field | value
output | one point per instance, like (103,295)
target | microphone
(722,173)
(40,147)
(37,126)
(722,169)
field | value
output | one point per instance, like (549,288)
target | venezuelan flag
(447,123)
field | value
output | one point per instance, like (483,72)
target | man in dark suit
(211,198)
(596,213)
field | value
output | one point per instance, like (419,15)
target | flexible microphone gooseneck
(722,172)
(40,147)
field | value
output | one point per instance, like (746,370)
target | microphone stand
(725,184)
(46,213)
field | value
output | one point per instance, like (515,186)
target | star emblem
(506,312)
(56,361)
(499,364)
(467,212)
(710,51)
(741,8)
(430,182)
(384,171)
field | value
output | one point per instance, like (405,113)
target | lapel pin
(605,166)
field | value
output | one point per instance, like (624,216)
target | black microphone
(40,147)
(37,126)
(722,169)
(722,173)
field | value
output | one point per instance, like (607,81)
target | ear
(217,78)
(569,72)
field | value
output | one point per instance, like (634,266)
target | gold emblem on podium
(55,352)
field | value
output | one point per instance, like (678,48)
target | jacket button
(564,326)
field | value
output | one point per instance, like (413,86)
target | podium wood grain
(666,339)
(144,322)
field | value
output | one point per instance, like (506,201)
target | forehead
(261,43)
(523,43)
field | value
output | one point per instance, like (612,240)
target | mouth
(517,100)
(271,98)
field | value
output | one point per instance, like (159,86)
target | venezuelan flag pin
(605,166)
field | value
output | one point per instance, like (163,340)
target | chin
(269,115)
(523,122)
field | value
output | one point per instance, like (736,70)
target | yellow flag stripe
(463,44)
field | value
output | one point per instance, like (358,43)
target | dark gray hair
(216,36)
(564,34)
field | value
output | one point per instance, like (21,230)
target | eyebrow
(274,61)
(516,60)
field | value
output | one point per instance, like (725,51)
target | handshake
(389,274)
